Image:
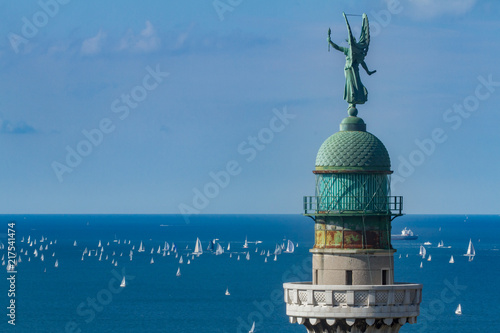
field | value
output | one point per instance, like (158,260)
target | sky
(168,107)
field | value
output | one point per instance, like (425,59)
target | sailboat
(252,330)
(248,256)
(141,248)
(56,264)
(441,244)
(181,260)
(275,258)
(430,258)
(74,243)
(198,249)
(123,284)
(290,247)
(245,246)
(178,272)
(265,259)
(219,250)
(228,246)
(458,311)
(421,264)
(471,252)
(423,251)
(227,292)
(152,261)
(451,260)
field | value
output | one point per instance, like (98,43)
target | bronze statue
(354,91)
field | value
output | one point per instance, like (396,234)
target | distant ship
(406,234)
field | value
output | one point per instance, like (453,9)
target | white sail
(181,260)
(228,246)
(219,250)
(248,256)
(252,330)
(198,249)
(430,258)
(227,292)
(451,260)
(74,243)
(471,252)
(178,272)
(123,284)
(56,263)
(265,259)
(421,265)
(290,247)
(245,246)
(275,258)
(458,311)
(141,248)
(152,261)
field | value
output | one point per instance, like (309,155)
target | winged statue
(354,91)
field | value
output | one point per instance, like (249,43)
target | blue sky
(177,93)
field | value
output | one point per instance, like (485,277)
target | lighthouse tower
(353,288)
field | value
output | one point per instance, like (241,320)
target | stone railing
(305,300)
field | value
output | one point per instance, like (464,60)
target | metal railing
(337,205)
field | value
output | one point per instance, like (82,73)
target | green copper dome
(353,149)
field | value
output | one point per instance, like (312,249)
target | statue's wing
(364,39)
(350,37)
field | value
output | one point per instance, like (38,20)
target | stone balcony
(364,305)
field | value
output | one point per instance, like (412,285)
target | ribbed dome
(353,150)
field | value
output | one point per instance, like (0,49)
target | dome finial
(352,111)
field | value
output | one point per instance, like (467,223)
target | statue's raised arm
(354,91)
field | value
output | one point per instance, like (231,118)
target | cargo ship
(406,234)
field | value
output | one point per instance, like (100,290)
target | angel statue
(354,91)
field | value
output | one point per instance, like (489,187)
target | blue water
(82,296)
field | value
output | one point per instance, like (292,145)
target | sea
(82,294)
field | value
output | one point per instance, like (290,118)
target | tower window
(384,276)
(348,278)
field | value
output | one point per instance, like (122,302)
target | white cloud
(432,8)
(146,41)
(93,45)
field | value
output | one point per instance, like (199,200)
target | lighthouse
(353,286)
